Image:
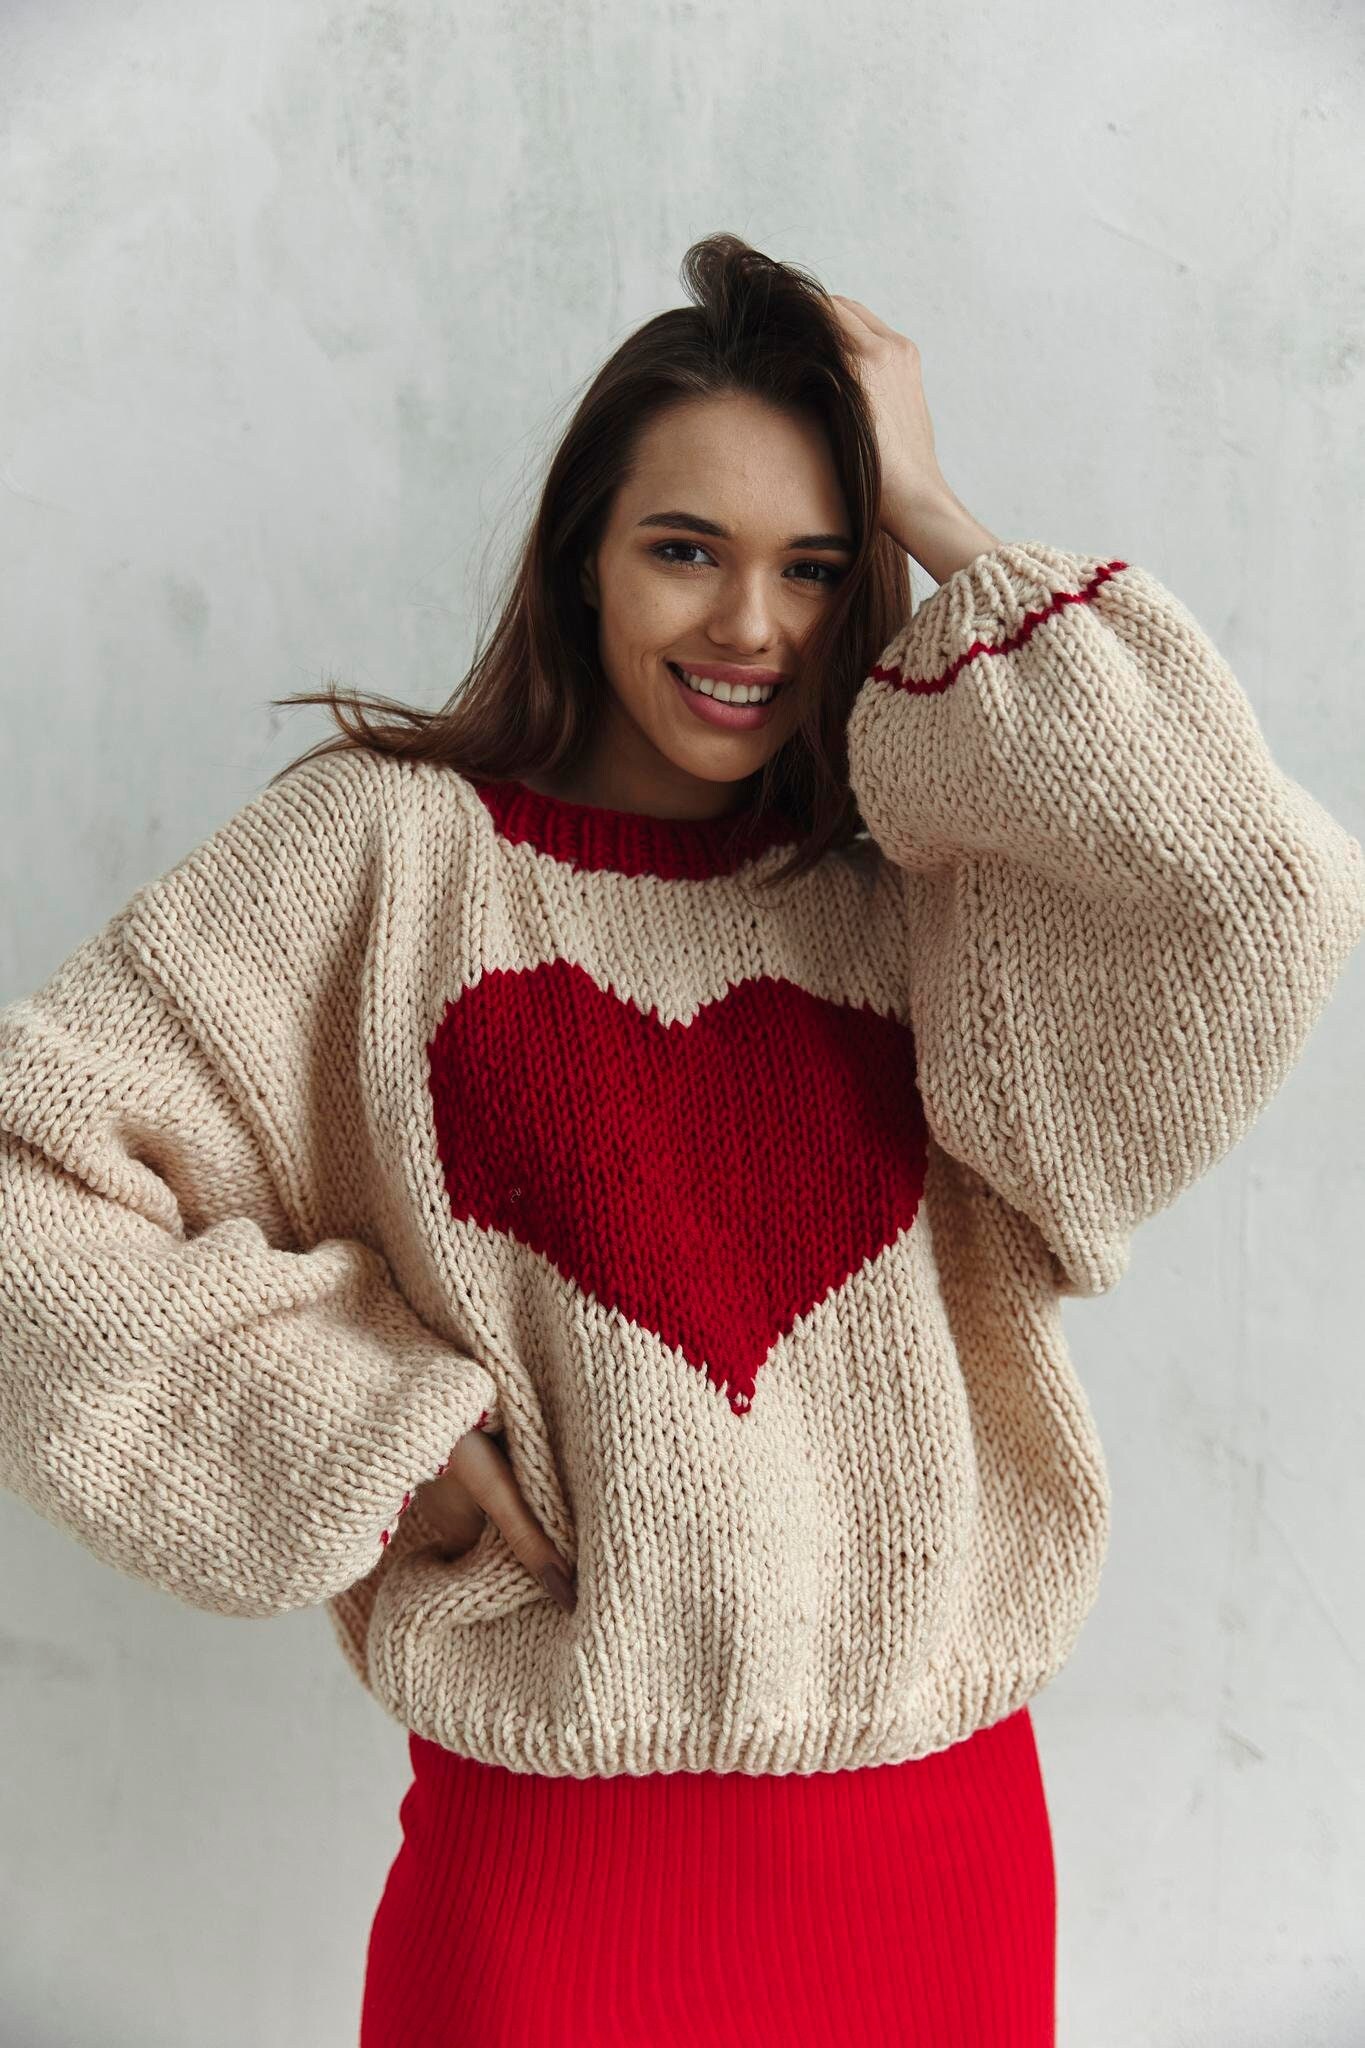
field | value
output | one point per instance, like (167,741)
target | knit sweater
(409,1103)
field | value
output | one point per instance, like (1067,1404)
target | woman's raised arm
(1123,918)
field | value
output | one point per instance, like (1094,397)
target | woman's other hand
(478,1485)
(918,509)
(889,371)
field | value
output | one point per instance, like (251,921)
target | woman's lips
(730,717)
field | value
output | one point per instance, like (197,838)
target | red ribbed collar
(592,836)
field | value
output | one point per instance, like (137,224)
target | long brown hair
(528,704)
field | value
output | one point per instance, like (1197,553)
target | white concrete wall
(294,298)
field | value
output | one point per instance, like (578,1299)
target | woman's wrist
(940,533)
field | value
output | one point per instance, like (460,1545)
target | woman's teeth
(728,693)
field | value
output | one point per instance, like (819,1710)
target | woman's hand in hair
(478,1485)
(919,510)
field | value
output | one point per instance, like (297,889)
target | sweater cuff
(475,1385)
(997,600)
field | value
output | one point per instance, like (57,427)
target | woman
(618,1128)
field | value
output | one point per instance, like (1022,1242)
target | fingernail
(558,1585)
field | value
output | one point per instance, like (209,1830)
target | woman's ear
(587,582)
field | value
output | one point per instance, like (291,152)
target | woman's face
(722,551)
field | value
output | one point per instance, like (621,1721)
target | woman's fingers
(889,370)
(866,314)
(446,1505)
(482,1466)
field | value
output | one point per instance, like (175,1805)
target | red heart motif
(710,1180)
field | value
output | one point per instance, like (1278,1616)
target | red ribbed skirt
(911,1902)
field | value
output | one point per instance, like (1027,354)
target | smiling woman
(473,1078)
(713,507)
(738,620)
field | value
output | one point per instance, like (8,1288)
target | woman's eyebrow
(838,541)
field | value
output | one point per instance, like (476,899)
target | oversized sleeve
(192,1386)
(1122,918)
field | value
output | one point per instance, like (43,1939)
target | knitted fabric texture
(409,1103)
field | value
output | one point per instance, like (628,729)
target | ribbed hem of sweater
(950,1703)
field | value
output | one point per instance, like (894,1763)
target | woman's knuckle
(487,1473)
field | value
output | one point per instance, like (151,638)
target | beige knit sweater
(407,1102)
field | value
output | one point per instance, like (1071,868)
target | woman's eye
(827,574)
(661,550)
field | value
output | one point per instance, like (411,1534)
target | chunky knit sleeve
(191,1386)
(1123,918)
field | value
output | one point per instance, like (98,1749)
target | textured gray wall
(294,299)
